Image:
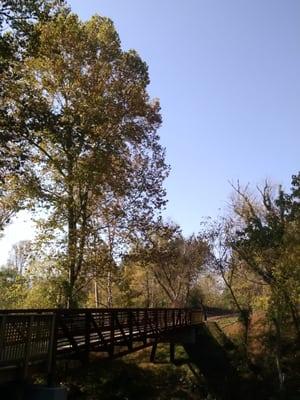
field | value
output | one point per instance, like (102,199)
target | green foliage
(268,242)
(210,290)
(13,289)
(44,293)
(174,261)
(139,287)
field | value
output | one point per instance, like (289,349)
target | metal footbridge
(36,339)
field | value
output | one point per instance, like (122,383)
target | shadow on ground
(207,369)
(133,377)
(225,380)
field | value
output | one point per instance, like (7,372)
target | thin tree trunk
(109,290)
(96,293)
(294,314)
(278,355)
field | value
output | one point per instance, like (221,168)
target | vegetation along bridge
(34,340)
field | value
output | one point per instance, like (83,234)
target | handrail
(93,309)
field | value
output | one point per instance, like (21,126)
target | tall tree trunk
(71,300)
(148,301)
(72,247)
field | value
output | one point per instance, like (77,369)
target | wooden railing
(32,336)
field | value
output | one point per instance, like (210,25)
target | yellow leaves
(64,32)
(107,38)
(261,302)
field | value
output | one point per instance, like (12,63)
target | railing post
(2,337)
(130,322)
(145,325)
(166,319)
(156,321)
(52,351)
(87,333)
(28,347)
(137,320)
(173,318)
(112,332)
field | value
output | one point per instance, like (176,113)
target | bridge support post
(172,352)
(153,351)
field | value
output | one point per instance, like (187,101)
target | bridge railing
(85,330)
(25,339)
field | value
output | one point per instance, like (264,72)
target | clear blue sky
(227,73)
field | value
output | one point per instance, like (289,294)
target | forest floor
(214,368)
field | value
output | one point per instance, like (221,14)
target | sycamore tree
(20,256)
(90,129)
